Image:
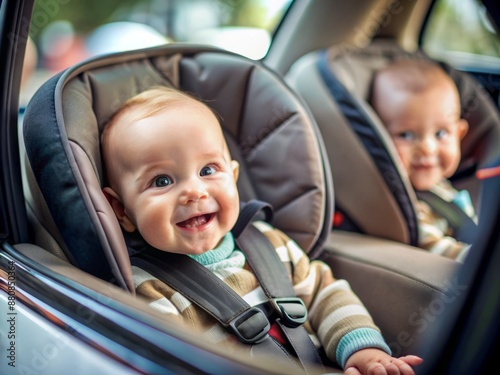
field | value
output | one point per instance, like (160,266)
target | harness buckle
(292,310)
(251,326)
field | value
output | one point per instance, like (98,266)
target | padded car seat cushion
(268,130)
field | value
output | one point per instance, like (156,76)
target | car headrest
(268,130)
(370,187)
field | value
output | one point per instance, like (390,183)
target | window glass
(459,31)
(65,32)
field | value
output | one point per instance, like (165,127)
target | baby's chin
(187,250)
(202,249)
(421,185)
(424,187)
(425,181)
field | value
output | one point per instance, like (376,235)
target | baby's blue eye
(207,170)
(162,181)
(441,134)
(408,136)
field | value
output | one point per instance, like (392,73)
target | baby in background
(420,106)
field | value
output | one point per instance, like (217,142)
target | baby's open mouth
(196,221)
(423,166)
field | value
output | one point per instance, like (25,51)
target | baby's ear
(118,208)
(463,128)
(235,166)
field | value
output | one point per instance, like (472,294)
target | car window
(460,32)
(65,32)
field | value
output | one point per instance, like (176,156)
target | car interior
(73,220)
(342,195)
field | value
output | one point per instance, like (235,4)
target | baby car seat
(267,130)
(372,193)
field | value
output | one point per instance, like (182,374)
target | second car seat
(372,193)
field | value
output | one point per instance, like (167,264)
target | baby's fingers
(412,360)
(404,364)
(351,371)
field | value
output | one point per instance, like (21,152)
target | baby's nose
(428,145)
(193,192)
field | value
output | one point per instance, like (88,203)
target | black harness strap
(274,280)
(201,287)
(249,324)
(249,212)
(264,261)
(464,228)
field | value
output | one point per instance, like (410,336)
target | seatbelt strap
(249,324)
(464,228)
(249,211)
(303,346)
(267,266)
(275,281)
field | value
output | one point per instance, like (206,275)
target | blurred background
(64,32)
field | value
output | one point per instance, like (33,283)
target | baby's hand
(377,362)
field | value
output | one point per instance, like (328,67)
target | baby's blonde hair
(143,105)
(414,75)
(146,104)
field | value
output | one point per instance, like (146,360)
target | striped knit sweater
(435,233)
(337,319)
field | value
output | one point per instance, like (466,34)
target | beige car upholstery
(370,187)
(403,287)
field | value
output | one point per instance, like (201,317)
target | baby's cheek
(402,152)
(152,226)
(407,160)
(227,183)
(229,200)
(451,162)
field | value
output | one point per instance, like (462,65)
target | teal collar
(220,253)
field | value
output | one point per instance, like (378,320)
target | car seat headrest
(267,128)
